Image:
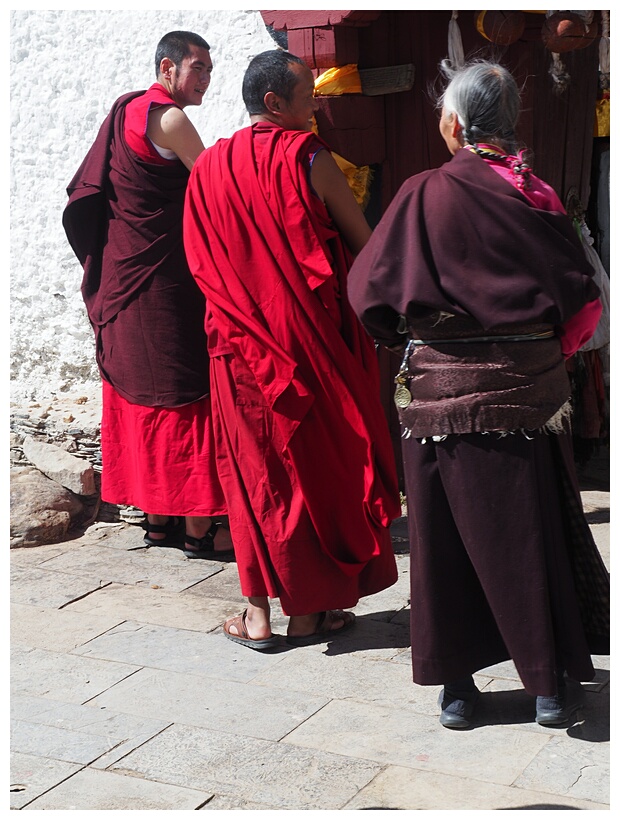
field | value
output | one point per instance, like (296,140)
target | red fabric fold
(251,242)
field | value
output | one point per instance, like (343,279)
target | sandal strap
(173,524)
(157,528)
(207,541)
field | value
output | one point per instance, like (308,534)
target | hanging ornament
(456,55)
(565,31)
(501,27)
(603,52)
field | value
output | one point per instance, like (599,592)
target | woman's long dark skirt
(491,567)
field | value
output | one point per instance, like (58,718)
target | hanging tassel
(603,51)
(455,42)
(559,74)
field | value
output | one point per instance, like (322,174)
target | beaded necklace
(517,165)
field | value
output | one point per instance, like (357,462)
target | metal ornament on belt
(402,395)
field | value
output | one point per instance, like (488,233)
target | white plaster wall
(67,68)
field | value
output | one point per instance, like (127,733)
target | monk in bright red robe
(305,458)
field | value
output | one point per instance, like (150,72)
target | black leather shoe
(558,709)
(457,705)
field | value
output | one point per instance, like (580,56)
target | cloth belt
(527,337)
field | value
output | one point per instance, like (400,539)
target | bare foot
(302,626)
(256,628)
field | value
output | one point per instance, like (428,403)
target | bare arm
(331,185)
(169,127)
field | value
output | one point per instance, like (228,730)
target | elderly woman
(477,275)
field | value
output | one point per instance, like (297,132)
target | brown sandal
(324,627)
(243,637)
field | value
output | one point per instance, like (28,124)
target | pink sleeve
(579,328)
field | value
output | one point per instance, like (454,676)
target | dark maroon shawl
(461,252)
(124,221)
(463,240)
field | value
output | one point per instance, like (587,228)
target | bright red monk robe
(261,244)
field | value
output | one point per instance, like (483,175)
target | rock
(76,474)
(41,510)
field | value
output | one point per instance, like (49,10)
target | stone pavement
(127,696)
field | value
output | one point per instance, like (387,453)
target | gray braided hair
(485,98)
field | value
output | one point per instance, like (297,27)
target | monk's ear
(273,103)
(165,67)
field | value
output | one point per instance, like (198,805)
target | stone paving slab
(125,732)
(107,791)
(248,769)
(226,706)
(155,606)
(408,789)
(369,638)
(58,630)
(166,569)
(229,803)
(179,650)
(59,676)
(346,677)
(119,536)
(600,532)
(402,736)
(224,584)
(40,587)
(58,744)
(32,775)
(31,556)
(568,768)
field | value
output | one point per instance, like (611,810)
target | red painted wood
(288,20)
(301,44)
(335,46)
(354,127)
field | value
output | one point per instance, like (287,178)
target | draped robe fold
(292,363)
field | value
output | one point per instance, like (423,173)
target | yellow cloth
(602,126)
(344,79)
(359,179)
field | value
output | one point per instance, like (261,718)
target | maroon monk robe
(124,220)
(262,247)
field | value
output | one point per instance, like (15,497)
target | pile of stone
(55,470)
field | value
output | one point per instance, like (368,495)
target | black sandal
(173,530)
(205,546)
